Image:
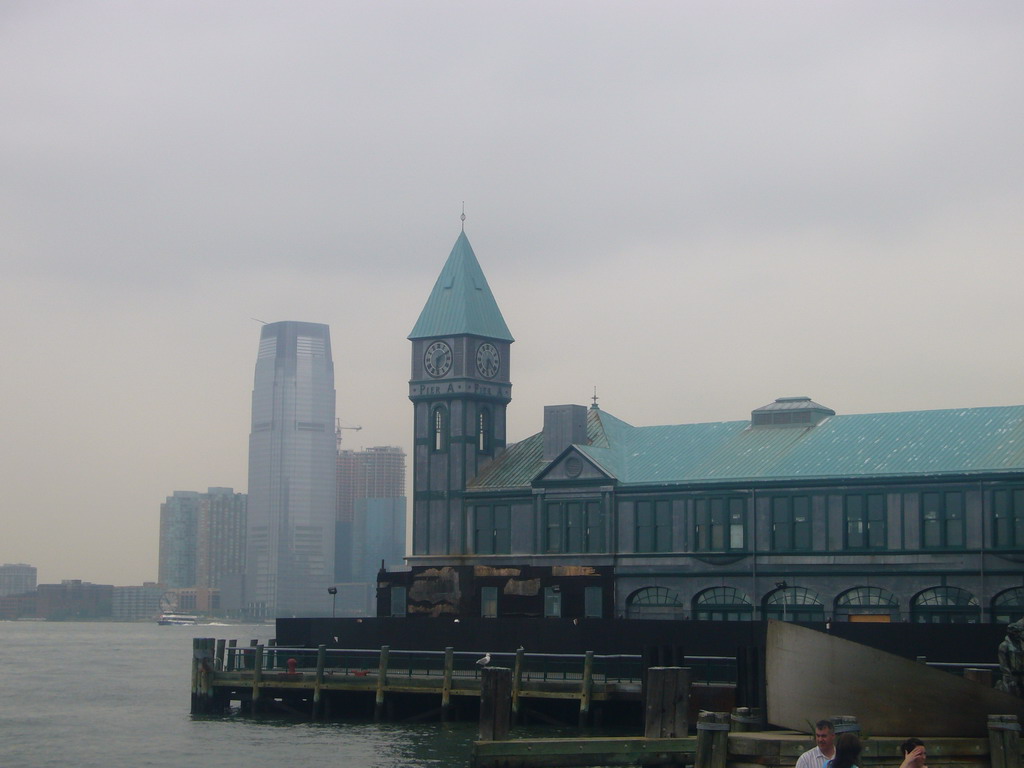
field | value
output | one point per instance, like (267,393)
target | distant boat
(176,619)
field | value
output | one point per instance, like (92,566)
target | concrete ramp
(811,675)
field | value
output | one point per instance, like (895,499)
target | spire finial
(594,398)
(463,216)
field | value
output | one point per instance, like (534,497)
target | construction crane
(338,428)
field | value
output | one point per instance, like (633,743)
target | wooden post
(1004,741)
(712,739)
(666,701)
(382,677)
(202,675)
(321,662)
(746,719)
(517,681)
(219,661)
(232,656)
(586,688)
(495,703)
(257,677)
(446,684)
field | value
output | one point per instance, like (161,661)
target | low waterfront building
(797,512)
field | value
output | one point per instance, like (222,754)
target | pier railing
(464,664)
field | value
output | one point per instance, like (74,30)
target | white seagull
(483,662)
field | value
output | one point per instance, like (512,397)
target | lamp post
(333,592)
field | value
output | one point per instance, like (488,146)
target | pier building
(790,510)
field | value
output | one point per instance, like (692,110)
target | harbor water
(96,694)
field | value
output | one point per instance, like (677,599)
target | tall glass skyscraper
(292,465)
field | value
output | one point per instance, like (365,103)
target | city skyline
(664,198)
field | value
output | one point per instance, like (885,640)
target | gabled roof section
(954,442)
(461,301)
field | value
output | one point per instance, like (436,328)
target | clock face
(487,360)
(438,359)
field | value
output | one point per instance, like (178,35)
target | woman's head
(910,744)
(847,750)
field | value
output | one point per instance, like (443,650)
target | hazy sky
(696,207)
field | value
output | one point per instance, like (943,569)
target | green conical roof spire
(461,302)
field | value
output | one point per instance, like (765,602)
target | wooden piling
(495,703)
(321,662)
(586,688)
(1004,741)
(382,676)
(202,674)
(219,659)
(446,685)
(232,661)
(666,701)
(712,739)
(257,676)
(517,682)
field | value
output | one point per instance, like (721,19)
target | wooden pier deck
(319,682)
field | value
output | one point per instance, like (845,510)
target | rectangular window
(574,530)
(592,598)
(553,526)
(574,526)
(595,527)
(1008,511)
(942,520)
(502,529)
(398,601)
(492,530)
(654,526)
(791,523)
(644,526)
(484,530)
(718,524)
(489,602)
(552,603)
(865,521)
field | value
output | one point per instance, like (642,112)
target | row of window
(945,605)
(719,524)
(936,605)
(439,429)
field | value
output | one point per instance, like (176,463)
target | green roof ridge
(461,301)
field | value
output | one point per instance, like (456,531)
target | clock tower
(460,388)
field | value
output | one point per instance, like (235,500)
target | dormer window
(790,412)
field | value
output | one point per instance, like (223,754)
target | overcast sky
(695,207)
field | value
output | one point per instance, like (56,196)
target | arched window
(654,603)
(722,604)
(867,604)
(794,604)
(944,605)
(1008,606)
(439,429)
(483,430)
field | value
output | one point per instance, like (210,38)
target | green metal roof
(461,302)
(859,446)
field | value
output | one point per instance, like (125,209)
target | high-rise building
(220,537)
(178,517)
(202,539)
(17,579)
(292,468)
(371,511)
